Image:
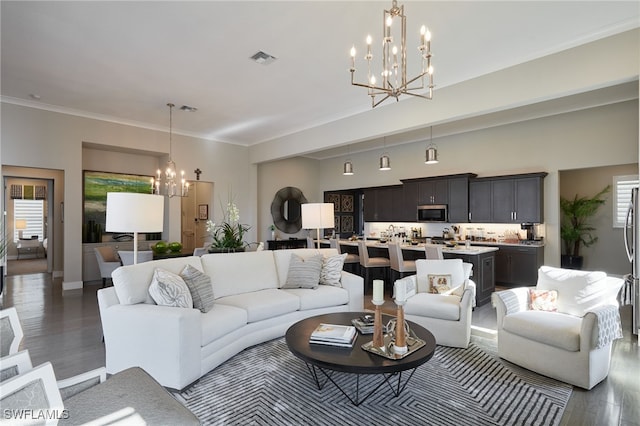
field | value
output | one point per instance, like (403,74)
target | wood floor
(65,329)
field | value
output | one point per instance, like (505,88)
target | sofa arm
(510,301)
(165,341)
(354,284)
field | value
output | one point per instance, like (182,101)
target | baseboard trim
(71,285)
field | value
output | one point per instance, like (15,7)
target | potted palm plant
(575,229)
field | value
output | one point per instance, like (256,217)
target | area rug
(267,385)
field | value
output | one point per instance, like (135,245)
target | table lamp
(316,216)
(133,212)
(21,225)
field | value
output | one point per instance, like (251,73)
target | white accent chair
(108,261)
(398,263)
(446,315)
(127,256)
(11,333)
(573,344)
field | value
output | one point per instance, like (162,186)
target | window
(622,186)
(31,211)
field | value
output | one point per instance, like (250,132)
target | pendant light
(385,162)
(431,155)
(347,167)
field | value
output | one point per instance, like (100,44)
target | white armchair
(571,344)
(108,261)
(446,314)
(127,256)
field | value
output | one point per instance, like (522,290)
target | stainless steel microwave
(433,213)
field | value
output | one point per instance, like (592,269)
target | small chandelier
(166,184)
(394,74)
(431,155)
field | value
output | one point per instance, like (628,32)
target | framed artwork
(347,203)
(203,211)
(95,186)
(335,199)
(346,224)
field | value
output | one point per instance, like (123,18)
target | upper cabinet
(507,199)
(452,190)
(383,204)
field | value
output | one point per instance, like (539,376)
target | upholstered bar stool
(397,262)
(433,251)
(367,263)
(352,260)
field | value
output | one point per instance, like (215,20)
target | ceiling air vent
(262,58)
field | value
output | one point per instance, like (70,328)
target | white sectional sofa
(179,345)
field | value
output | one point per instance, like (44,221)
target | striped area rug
(267,385)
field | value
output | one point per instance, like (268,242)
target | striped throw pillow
(304,273)
(200,287)
(332,270)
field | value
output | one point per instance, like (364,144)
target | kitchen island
(481,257)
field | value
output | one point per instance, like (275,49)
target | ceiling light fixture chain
(394,74)
(166,184)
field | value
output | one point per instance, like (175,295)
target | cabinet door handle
(469,216)
(515,215)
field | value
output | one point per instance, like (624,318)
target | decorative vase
(273,235)
(571,262)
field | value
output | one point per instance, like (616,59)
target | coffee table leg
(314,375)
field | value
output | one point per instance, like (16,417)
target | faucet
(392,229)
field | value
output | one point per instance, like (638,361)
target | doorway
(196,209)
(33,198)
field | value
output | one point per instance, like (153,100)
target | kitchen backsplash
(488,231)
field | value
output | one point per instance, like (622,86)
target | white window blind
(33,212)
(622,197)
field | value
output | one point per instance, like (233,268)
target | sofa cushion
(132,282)
(238,273)
(578,291)
(551,328)
(200,287)
(332,269)
(283,257)
(446,307)
(220,321)
(263,304)
(322,297)
(169,289)
(543,300)
(304,273)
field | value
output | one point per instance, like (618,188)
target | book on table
(333,333)
(348,344)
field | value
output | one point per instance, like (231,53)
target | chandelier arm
(381,100)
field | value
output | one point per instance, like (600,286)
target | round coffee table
(323,360)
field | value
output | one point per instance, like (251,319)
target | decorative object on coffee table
(378,300)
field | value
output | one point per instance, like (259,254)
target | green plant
(230,232)
(575,230)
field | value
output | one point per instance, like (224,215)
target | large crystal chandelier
(393,76)
(167,183)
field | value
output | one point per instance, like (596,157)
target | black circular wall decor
(286,210)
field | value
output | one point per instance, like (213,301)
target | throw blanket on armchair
(609,328)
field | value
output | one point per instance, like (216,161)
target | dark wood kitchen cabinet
(483,273)
(383,204)
(433,191)
(452,190)
(459,200)
(507,199)
(518,266)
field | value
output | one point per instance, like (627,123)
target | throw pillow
(168,289)
(332,270)
(304,273)
(439,283)
(200,288)
(543,300)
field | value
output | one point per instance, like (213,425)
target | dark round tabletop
(354,359)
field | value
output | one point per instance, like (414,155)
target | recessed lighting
(34,96)
(188,108)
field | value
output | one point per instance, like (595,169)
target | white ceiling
(123,61)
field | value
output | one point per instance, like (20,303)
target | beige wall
(594,137)
(48,140)
(608,253)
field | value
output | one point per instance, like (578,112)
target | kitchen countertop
(459,249)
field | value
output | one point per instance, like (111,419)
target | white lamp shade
(132,212)
(317,215)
